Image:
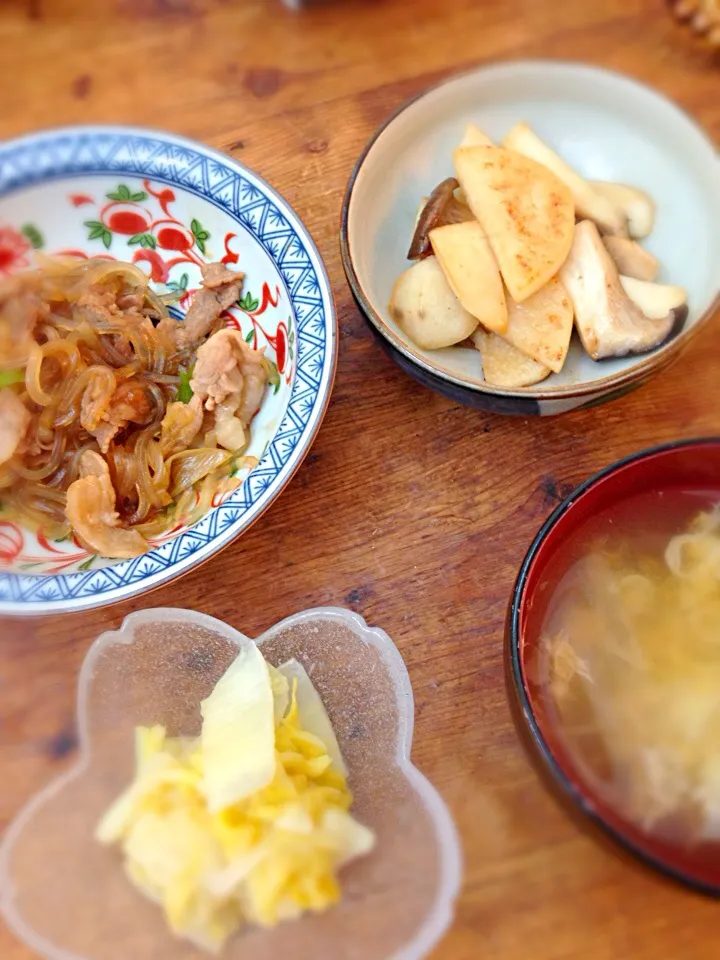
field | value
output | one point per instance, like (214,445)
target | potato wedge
(526,211)
(541,326)
(631,259)
(503,365)
(463,252)
(424,306)
(589,204)
(639,206)
(474,137)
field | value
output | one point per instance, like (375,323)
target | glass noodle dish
(119,423)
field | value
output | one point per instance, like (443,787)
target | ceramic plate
(608,127)
(168,204)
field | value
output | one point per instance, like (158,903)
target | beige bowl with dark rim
(609,127)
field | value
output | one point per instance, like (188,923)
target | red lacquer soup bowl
(671,483)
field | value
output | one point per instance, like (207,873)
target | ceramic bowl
(168,204)
(397,901)
(689,465)
(608,127)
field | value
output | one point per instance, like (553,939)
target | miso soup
(629,661)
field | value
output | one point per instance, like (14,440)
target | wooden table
(420,510)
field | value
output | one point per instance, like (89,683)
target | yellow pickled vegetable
(250,821)
(237,731)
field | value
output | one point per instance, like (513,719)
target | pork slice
(14,421)
(220,290)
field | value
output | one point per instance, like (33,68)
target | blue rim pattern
(263,213)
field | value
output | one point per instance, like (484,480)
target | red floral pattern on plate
(15,250)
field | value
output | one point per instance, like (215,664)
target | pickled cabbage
(248,823)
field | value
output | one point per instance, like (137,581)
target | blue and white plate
(169,204)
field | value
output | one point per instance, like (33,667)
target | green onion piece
(185,392)
(9,377)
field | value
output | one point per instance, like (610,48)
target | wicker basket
(703,18)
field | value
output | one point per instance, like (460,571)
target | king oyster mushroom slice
(608,322)
(638,206)
(656,300)
(631,259)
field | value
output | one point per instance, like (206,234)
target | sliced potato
(631,259)
(656,300)
(463,252)
(503,365)
(541,326)
(639,206)
(425,307)
(526,211)
(474,137)
(589,204)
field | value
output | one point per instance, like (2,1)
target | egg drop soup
(626,669)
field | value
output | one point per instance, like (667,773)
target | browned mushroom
(441,209)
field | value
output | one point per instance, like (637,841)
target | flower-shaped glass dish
(69,899)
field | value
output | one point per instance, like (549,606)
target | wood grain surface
(411,510)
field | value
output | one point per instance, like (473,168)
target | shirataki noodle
(117,422)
